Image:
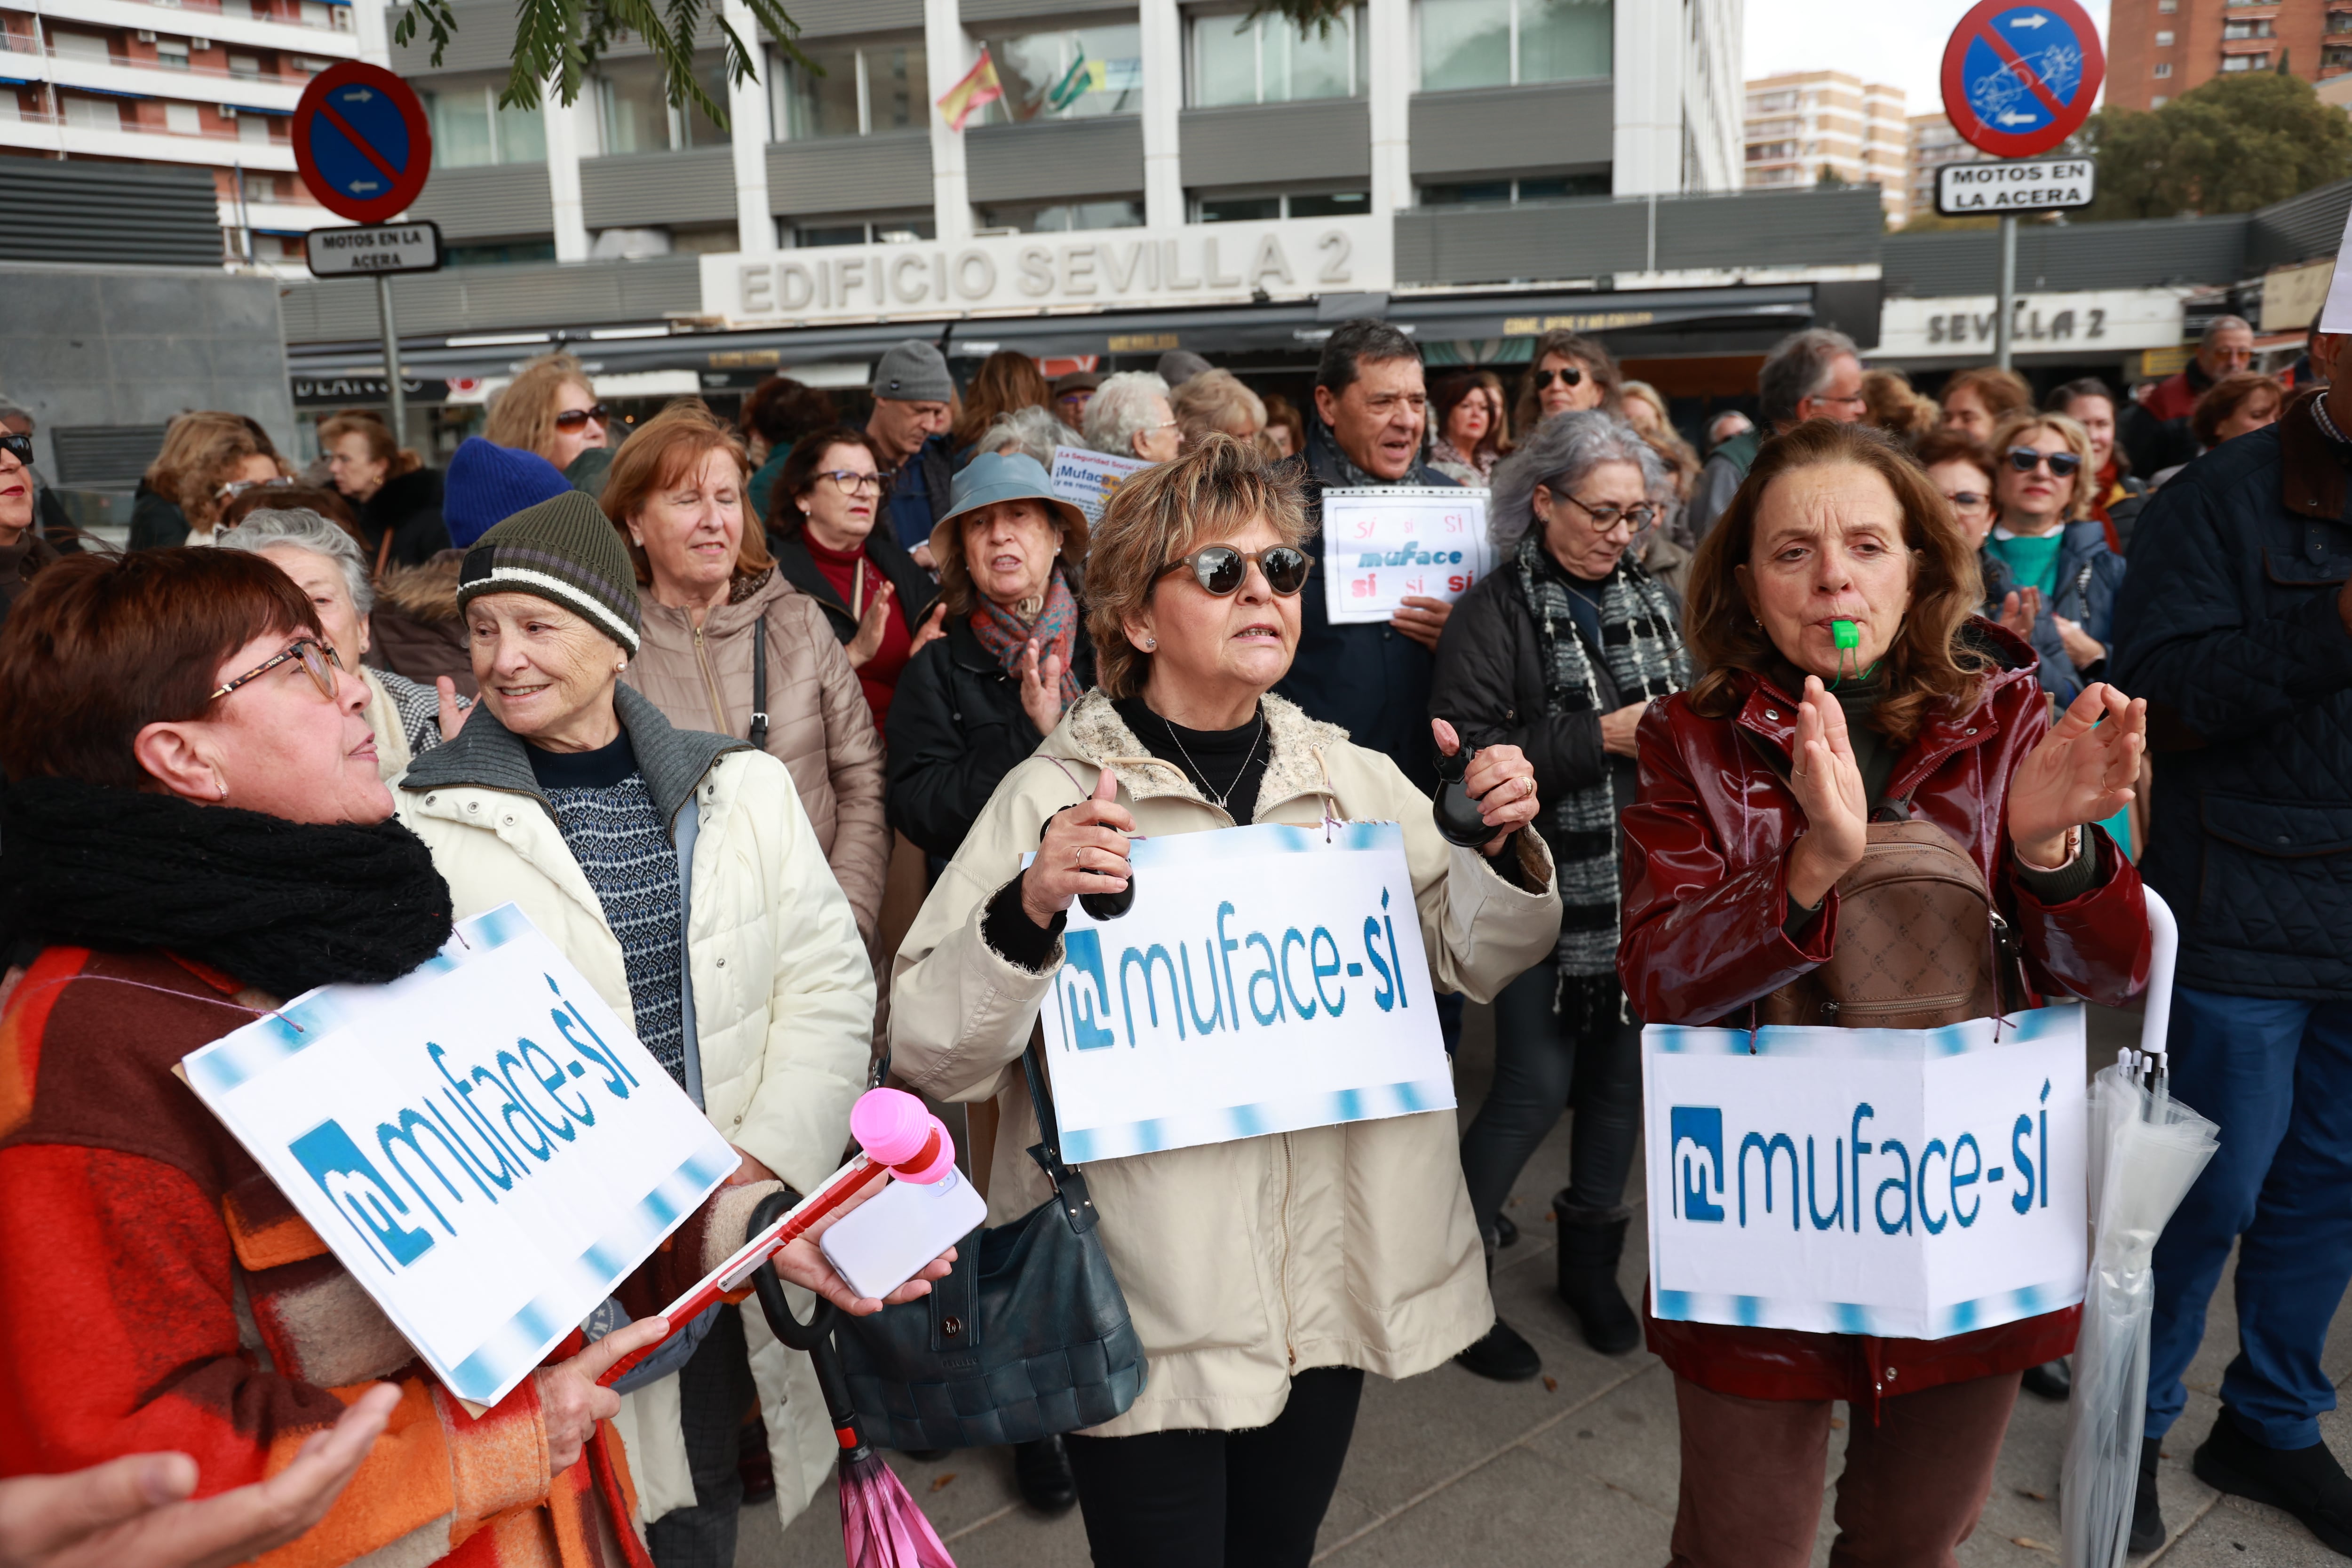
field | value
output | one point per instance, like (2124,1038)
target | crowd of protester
(797,735)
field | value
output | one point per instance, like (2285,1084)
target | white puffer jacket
(1242,1262)
(784,997)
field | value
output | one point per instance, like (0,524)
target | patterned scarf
(1646,660)
(1055,630)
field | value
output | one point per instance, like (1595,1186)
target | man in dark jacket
(1371,679)
(2235,623)
(2154,431)
(914,398)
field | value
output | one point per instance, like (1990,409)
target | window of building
(2159,101)
(2257,29)
(2163,69)
(863,88)
(92,46)
(180,118)
(2339,21)
(1065,217)
(1500,43)
(245,65)
(2168,8)
(470,129)
(1269,60)
(1512,193)
(254,127)
(1249,209)
(1077,75)
(172,53)
(2164,41)
(2260,62)
(635,114)
(908,229)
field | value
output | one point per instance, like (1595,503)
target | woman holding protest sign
(679,872)
(1856,710)
(194,832)
(1264,1274)
(1559,651)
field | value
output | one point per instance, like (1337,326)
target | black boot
(2147,1523)
(2307,1482)
(2050,1380)
(1042,1470)
(1589,1251)
(1502,1353)
(1506,1233)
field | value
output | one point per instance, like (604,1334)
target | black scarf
(284,906)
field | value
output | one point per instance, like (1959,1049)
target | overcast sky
(1895,41)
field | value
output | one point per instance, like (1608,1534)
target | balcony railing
(14,43)
(135,128)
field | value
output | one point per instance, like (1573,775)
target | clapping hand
(1040,687)
(2019,608)
(934,628)
(2082,647)
(1828,786)
(871,625)
(2084,770)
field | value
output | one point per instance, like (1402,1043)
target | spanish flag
(977,89)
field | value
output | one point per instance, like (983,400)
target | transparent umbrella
(2147,1149)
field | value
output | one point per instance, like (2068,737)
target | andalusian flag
(977,89)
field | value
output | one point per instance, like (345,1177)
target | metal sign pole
(391,358)
(2003,305)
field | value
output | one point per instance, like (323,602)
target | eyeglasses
(236,488)
(1969,501)
(1572,376)
(19,447)
(850,482)
(318,659)
(1639,516)
(2062,465)
(573,418)
(1221,569)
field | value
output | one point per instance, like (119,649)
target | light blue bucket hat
(996,477)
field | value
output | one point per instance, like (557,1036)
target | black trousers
(1221,1500)
(715,1392)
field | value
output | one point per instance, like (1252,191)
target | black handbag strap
(1069,1185)
(758,736)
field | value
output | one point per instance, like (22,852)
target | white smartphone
(886,1241)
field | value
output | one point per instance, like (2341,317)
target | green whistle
(1845,635)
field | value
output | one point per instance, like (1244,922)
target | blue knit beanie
(487,484)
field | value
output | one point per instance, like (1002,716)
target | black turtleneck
(1227,765)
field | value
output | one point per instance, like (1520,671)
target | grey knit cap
(568,552)
(914,372)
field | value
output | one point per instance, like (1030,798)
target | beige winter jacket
(784,998)
(818,723)
(1242,1262)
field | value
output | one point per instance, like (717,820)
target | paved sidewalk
(1581,1468)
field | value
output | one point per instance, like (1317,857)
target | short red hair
(100,646)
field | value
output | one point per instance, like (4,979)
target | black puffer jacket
(957,727)
(408,507)
(2231,623)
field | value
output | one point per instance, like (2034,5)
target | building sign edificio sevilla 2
(1199,264)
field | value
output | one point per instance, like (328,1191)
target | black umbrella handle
(815,1336)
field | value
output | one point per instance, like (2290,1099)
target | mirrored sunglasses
(1222,570)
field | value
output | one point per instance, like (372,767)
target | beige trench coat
(1242,1262)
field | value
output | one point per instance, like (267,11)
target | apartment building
(1932,144)
(2159,50)
(1806,128)
(211,83)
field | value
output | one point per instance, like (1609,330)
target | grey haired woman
(327,565)
(1558,651)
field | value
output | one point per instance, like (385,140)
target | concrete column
(951,54)
(1162,33)
(1647,151)
(570,130)
(747,117)
(373,30)
(1389,98)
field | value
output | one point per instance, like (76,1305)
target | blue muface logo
(1088,1010)
(364,1198)
(1697,1142)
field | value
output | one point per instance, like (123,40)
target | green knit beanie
(567,552)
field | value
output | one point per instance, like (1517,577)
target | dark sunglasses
(21,446)
(573,418)
(1222,570)
(318,662)
(1968,501)
(2025,459)
(1572,376)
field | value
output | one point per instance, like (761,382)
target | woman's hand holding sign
(571,1403)
(1084,851)
(1501,780)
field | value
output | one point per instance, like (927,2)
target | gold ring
(1527,787)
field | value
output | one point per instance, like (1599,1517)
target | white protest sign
(1265,979)
(1089,479)
(482,1142)
(1914,1183)
(1383,542)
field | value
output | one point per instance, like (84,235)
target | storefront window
(1068,76)
(1499,43)
(1270,60)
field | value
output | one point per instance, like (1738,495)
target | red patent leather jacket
(1706,894)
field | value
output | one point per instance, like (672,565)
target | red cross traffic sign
(2020,75)
(361,142)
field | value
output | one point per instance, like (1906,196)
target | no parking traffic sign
(2020,75)
(361,142)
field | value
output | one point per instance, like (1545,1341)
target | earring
(223,788)
(1151,643)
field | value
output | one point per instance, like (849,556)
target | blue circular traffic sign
(2020,75)
(361,142)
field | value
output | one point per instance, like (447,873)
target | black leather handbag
(1029,1335)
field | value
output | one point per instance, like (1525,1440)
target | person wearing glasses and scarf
(2049,576)
(1265,1275)
(1559,652)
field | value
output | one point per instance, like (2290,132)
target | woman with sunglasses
(1567,371)
(23,551)
(1265,1275)
(550,409)
(2047,568)
(821,511)
(1559,652)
